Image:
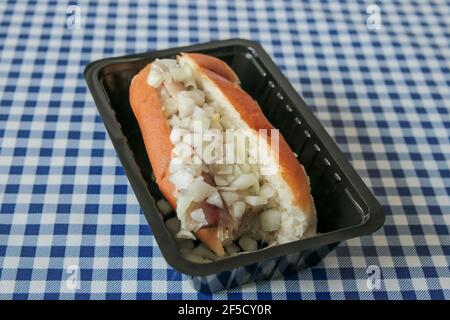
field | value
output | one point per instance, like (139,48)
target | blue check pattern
(67,212)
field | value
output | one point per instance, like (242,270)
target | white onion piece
(238,209)
(194,169)
(198,112)
(200,190)
(185,103)
(183,151)
(211,112)
(198,96)
(215,199)
(193,139)
(175,122)
(270,220)
(187,69)
(166,63)
(245,168)
(154,78)
(183,203)
(176,134)
(178,74)
(267,191)
(232,249)
(173,224)
(244,181)
(223,169)
(248,244)
(200,123)
(255,200)
(186,123)
(186,234)
(159,65)
(226,122)
(226,188)
(229,197)
(220,181)
(199,216)
(181,179)
(164,94)
(175,165)
(197,160)
(164,207)
(172,87)
(190,83)
(170,107)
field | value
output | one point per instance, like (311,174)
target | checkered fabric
(67,211)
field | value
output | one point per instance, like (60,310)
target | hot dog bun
(221,84)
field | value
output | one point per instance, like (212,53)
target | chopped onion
(238,209)
(215,199)
(220,181)
(229,197)
(173,87)
(185,104)
(183,151)
(186,123)
(267,191)
(194,169)
(190,83)
(194,139)
(187,69)
(183,204)
(270,220)
(154,78)
(198,112)
(176,134)
(200,119)
(164,207)
(223,169)
(200,190)
(248,244)
(255,200)
(175,165)
(166,63)
(198,96)
(244,181)
(226,188)
(199,216)
(174,122)
(181,179)
(170,107)
(185,108)
(178,74)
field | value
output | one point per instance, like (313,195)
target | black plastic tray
(346,208)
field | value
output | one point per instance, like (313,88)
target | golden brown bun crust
(215,65)
(155,130)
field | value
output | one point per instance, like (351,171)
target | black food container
(346,208)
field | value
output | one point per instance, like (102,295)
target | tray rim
(376,215)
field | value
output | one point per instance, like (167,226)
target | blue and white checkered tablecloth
(380,89)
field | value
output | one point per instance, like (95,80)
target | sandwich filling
(216,168)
